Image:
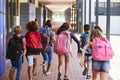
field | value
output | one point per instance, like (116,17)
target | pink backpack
(62,44)
(101,49)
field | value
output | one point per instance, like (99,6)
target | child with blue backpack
(47,55)
(84,39)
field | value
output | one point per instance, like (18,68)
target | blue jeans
(17,64)
(101,66)
(47,55)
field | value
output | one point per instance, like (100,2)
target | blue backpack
(85,40)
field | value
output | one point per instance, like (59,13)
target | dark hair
(48,24)
(97,27)
(86,27)
(32,26)
(63,27)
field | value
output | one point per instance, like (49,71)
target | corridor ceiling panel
(57,5)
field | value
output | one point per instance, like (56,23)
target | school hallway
(75,70)
(18,12)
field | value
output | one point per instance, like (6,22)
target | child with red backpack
(15,50)
(62,48)
(101,54)
(34,46)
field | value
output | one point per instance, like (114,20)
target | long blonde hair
(95,33)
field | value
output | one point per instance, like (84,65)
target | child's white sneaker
(48,73)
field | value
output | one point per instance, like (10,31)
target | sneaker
(43,64)
(85,71)
(48,73)
(34,73)
(66,78)
(88,77)
(59,76)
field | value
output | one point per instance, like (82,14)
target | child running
(65,27)
(15,50)
(84,39)
(98,66)
(47,55)
(33,46)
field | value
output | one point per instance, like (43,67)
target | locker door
(2,37)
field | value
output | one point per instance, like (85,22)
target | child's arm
(24,46)
(80,48)
(83,53)
(76,40)
(80,40)
(10,37)
(53,37)
(47,38)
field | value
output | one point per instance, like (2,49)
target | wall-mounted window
(114,11)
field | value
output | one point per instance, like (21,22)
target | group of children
(43,41)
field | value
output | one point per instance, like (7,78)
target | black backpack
(14,48)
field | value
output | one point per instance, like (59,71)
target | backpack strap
(66,32)
(46,31)
(15,35)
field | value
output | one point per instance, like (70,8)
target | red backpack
(33,42)
(101,49)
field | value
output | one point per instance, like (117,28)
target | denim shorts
(101,66)
(88,58)
(68,54)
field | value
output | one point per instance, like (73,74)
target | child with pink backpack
(62,48)
(101,54)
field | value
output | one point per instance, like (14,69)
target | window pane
(115,8)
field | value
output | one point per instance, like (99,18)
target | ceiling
(57,5)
